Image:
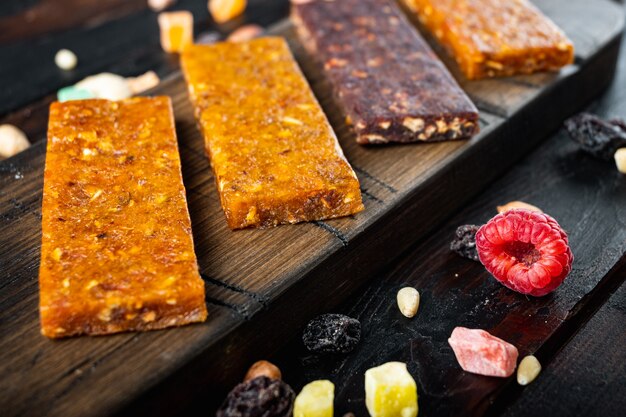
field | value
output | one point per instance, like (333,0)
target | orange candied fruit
(225,10)
(176,30)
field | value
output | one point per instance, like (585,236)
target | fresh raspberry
(526,251)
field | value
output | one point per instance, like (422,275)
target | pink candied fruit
(479,352)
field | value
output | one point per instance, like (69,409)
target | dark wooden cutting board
(262,285)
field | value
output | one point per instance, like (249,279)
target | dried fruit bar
(274,155)
(494,38)
(391,86)
(117,252)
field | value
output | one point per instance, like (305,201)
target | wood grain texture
(505,96)
(254,279)
(583,376)
(588,197)
(588,377)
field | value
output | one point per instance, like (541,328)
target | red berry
(525,250)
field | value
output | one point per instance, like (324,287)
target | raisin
(598,137)
(464,242)
(259,397)
(332,333)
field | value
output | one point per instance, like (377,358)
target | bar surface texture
(274,155)
(494,38)
(117,252)
(388,81)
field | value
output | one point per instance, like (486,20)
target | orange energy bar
(117,252)
(495,38)
(274,155)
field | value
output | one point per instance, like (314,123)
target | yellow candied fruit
(176,30)
(315,400)
(390,391)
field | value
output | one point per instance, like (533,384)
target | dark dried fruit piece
(598,137)
(259,397)
(464,242)
(332,333)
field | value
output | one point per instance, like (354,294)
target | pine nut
(528,370)
(408,301)
(620,160)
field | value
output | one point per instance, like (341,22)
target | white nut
(518,205)
(158,5)
(143,82)
(620,160)
(408,301)
(12,141)
(65,59)
(528,370)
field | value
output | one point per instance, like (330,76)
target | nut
(158,5)
(408,301)
(263,368)
(12,141)
(245,33)
(518,205)
(620,160)
(528,370)
(65,59)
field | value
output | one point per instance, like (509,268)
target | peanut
(408,301)
(263,368)
(528,370)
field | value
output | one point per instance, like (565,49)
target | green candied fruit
(73,93)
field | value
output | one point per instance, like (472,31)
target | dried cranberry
(259,397)
(464,242)
(598,137)
(332,333)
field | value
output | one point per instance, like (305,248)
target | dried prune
(598,137)
(464,242)
(259,397)
(332,333)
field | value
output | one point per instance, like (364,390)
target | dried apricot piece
(225,10)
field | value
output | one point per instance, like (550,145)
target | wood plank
(505,96)
(588,376)
(254,279)
(588,198)
(28,71)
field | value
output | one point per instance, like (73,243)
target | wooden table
(579,333)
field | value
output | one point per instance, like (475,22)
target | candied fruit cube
(390,391)
(176,30)
(479,352)
(315,400)
(225,10)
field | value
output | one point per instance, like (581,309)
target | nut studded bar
(117,252)
(493,38)
(274,155)
(390,84)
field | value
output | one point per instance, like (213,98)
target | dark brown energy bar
(392,87)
